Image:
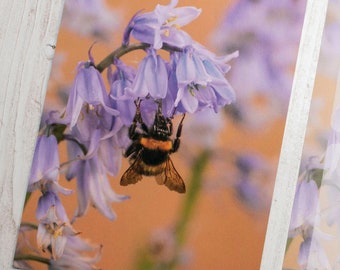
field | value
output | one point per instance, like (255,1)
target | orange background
(223,234)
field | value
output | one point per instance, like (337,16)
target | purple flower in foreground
(53,221)
(162,26)
(88,90)
(53,231)
(120,82)
(45,163)
(151,78)
(200,79)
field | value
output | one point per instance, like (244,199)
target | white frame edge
(294,136)
(28,34)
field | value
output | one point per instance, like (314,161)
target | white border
(294,136)
(28,32)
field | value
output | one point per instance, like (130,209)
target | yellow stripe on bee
(153,144)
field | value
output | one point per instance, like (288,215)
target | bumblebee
(149,152)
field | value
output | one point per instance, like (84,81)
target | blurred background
(228,220)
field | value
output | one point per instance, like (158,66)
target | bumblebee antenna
(173,112)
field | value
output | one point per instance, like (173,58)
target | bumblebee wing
(132,175)
(171,178)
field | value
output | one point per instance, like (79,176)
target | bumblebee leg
(170,126)
(132,150)
(177,140)
(137,120)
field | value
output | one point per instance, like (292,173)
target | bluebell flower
(162,26)
(53,228)
(201,80)
(88,91)
(120,83)
(151,78)
(53,221)
(45,165)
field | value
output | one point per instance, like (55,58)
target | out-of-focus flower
(75,256)
(305,219)
(90,18)
(163,249)
(162,26)
(311,253)
(267,35)
(304,207)
(162,246)
(249,178)
(202,128)
(332,157)
(329,53)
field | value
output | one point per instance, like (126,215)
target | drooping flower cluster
(95,123)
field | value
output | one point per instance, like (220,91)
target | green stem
(107,61)
(289,241)
(30,257)
(30,225)
(192,195)
(28,196)
(124,49)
